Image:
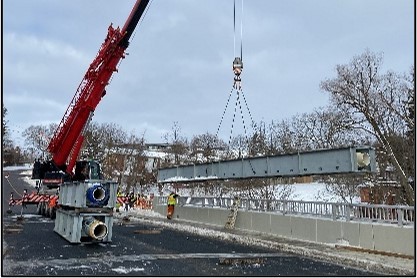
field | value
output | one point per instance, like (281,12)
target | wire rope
(141,19)
(246,135)
(241,34)
(246,103)
(241,115)
(234,28)
(236,86)
(227,103)
(234,116)
(134,34)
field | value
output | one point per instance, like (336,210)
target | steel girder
(316,162)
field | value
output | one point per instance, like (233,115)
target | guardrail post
(334,211)
(347,213)
(284,207)
(400,217)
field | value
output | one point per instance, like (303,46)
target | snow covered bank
(18,168)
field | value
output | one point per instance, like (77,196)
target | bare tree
(258,143)
(324,128)
(178,143)
(265,188)
(344,186)
(205,148)
(375,102)
(37,139)
(134,172)
(283,135)
(5,132)
(238,147)
(410,157)
(101,143)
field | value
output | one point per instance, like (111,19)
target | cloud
(179,62)
(22,45)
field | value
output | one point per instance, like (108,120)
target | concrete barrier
(372,236)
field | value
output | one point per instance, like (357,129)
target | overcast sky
(179,67)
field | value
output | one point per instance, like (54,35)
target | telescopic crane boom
(67,140)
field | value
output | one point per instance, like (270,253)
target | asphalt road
(31,248)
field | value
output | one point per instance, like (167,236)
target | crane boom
(84,211)
(66,143)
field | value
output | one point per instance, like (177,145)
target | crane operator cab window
(95,173)
(87,170)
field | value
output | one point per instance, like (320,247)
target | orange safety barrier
(35,198)
(140,202)
(122,200)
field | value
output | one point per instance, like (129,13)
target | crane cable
(241,34)
(234,28)
(224,112)
(234,31)
(246,103)
(237,79)
(239,88)
(141,20)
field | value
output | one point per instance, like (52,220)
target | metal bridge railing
(399,215)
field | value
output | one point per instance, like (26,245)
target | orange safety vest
(52,202)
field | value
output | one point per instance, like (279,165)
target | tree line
(367,107)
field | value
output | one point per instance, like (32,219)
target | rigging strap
(244,98)
(218,128)
(234,116)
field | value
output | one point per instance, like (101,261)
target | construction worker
(151,201)
(172,201)
(139,201)
(132,199)
(52,204)
(52,201)
(38,186)
(126,202)
(119,193)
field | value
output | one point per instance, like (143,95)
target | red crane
(66,143)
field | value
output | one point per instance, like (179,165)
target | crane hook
(237,70)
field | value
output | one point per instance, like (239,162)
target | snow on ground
(17,168)
(25,175)
(124,270)
(316,192)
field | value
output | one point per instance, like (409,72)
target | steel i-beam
(317,162)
